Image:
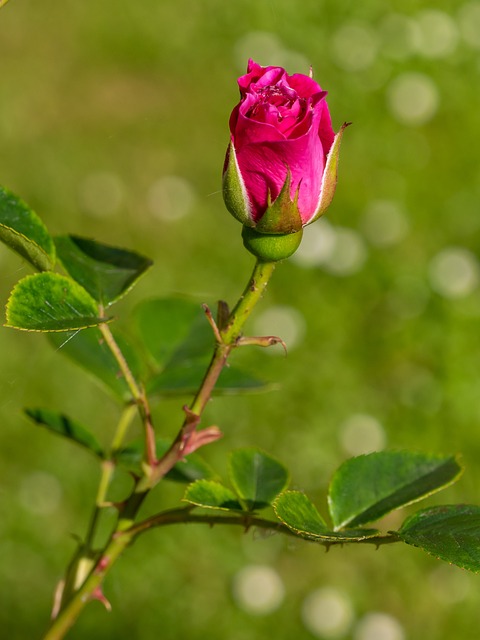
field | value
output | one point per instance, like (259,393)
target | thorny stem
(123,539)
(230,332)
(137,393)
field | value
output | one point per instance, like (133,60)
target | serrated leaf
(211,495)
(66,427)
(256,477)
(299,514)
(186,471)
(184,379)
(106,272)
(50,302)
(365,488)
(88,349)
(450,533)
(23,231)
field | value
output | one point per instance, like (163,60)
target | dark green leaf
(184,379)
(450,533)
(50,302)
(365,488)
(23,231)
(64,426)
(88,349)
(212,495)
(299,514)
(257,477)
(164,324)
(191,469)
(106,272)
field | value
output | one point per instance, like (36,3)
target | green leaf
(211,495)
(186,471)
(106,272)
(50,302)
(450,533)
(164,324)
(184,379)
(23,231)
(364,489)
(299,514)
(257,477)
(64,426)
(88,349)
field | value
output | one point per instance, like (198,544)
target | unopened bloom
(280,170)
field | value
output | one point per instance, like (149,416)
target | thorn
(97,594)
(223,314)
(192,442)
(212,323)
(57,598)
(261,341)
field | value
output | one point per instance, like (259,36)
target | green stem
(229,335)
(137,394)
(126,529)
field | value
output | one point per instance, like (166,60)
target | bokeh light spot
(360,434)
(438,34)
(171,198)
(354,46)
(40,493)
(413,98)
(317,245)
(101,194)
(384,223)
(349,253)
(283,321)
(454,272)
(469,22)
(258,589)
(378,626)
(327,613)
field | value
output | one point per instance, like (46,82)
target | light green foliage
(23,231)
(300,515)
(212,495)
(50,302)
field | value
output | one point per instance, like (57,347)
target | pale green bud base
(269,247)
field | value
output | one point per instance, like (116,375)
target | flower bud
(280,169)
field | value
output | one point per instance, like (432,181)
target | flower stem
(125,531)
(137,394)
(229,335)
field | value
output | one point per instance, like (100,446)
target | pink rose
(280,168)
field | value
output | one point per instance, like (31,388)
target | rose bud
(280,170)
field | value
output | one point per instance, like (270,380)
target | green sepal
(23,231)
(50,302)
(270,247)
(282,215)
(329,180)
(234,191)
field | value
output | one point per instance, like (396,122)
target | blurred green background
(113,124)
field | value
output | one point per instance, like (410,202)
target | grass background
(98,104)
